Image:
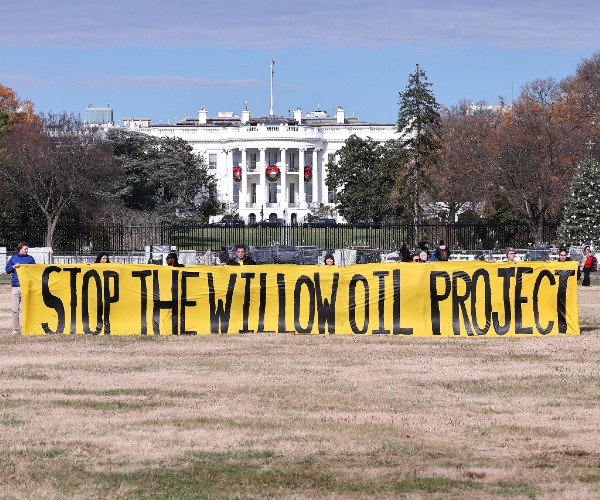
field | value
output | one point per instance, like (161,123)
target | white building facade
(269,168)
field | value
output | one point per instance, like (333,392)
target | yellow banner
(433,299)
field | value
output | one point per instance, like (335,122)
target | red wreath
(273,173)
(307,174)
(237,174)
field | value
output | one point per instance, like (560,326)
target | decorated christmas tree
(580,223)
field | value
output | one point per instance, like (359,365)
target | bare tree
(56,163)
(458,178)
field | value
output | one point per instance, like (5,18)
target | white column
(301,196)
(262,185)
(315,174)
(244,190)
(283,202)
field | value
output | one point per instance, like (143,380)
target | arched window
(252,219)
(294,219)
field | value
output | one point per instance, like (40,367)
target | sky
(164,60)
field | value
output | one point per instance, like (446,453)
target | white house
(269,167)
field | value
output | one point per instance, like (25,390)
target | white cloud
(268,24)
(169,82)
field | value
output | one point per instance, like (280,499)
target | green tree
(419,124)
(579,224)
(363,179)
(161,174)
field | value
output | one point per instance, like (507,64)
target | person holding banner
(21,257)
(241,258)
(510,255)
(563,256)
(329,260)
(102,258)
(172,260)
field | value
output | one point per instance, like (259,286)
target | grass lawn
(266,415)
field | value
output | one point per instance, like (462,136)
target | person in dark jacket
(173,260)
(405,253)
(241,258)
(563,256)
(441,252)
(102,258)
(21,257)
(329,260)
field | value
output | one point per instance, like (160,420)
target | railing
(122,238)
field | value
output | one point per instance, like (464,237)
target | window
(252,219)
(236,159)
(331,157)
(293,160)
(331,195)
(236,192)
(272,158)
(308,159)
(212,161)
(253,193)
(272,192)
(292,191)
(308,191)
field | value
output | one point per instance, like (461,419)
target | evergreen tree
(363,179)
(580,222)
(161,174)
(419,123)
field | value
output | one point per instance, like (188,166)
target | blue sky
(164,60)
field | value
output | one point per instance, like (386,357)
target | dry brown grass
(294,416)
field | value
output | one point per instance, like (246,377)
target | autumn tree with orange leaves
(535,151)
(12,109)
(459,180)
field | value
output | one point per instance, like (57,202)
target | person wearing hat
(329,260)
(173,260)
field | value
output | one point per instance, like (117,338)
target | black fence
(122,238)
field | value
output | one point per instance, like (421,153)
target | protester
(586,264)
(563,256)
(173,260)
(415,258)
(21,257)
(329,260)
(423,256)
(510,255)
(241,259)
(442,252)
(405,253)
(102,258)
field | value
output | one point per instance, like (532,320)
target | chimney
(340,115)
(298,115)
(202,115)
(245,113)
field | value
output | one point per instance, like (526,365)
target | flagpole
(272,72)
